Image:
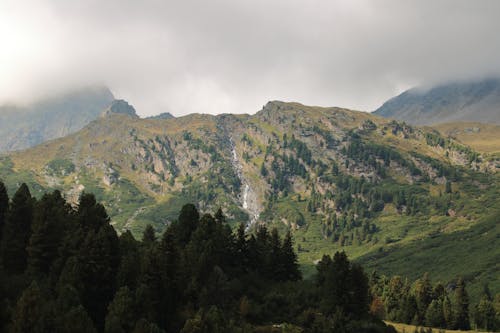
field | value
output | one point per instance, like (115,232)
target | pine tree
(423,295)
(149,235)
(121,315)
(461,307)
(4,206)
(91,215)
(187,223)
(50,217)
(484,314)
(289,260)
(17,231)
(31,314)
(98,261)
(434,314)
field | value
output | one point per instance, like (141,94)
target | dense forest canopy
(65,269)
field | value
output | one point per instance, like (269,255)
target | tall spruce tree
(50,216)
(17,231)
(289,260)
(461,307)
(4,206)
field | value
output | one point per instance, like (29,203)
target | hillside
(26,126)
(482,137)
(339,179)
(464,101)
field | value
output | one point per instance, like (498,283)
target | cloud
(233,56)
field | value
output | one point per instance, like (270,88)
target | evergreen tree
(423,295)
(98,261)
(50,217)
(91,215)
(187,223)
(484,314)
(121,312)
(461,307)
(434,314)
(130,263)
(17,231)
(4,206)
(31,314)
(149,235)
(289,260)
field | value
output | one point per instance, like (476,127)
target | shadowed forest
(65,269)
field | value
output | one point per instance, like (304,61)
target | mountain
(26,126)
(338,179)
(464,101)
(480,136)
(164,115)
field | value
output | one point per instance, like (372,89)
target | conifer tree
(4,206)
(461,307)
(149,236)
(17,231)
(50,217)
(187,223)
(289,259)
(121,312)
(31,313)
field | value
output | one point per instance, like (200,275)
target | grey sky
(233,56)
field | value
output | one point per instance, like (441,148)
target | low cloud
(233,56)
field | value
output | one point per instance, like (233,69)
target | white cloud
(233,56)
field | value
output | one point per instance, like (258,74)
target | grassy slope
(404,328)
(446,256)
(482,137)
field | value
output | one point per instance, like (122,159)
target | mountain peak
(455,101)
(120,106)
(163,115)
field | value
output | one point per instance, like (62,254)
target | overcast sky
(230,56)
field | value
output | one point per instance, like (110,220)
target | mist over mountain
(477,101)
(26,126)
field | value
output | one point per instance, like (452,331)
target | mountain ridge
(26,126)
(460,101)
(338,179)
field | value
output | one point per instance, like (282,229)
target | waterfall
(247,196)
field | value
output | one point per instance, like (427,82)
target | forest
(64,268)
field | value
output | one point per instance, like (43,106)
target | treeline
(65,269)
(423,304)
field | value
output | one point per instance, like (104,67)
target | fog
(227,56)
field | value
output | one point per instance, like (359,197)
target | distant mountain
(120,106)
(26,126)
(464,101)
(164,115)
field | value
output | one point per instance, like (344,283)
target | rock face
(164,115)
(119,106)
(466,101)
(26,126)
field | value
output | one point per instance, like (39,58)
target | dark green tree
(17,231)
(4,206)
(461,307)
(32,313)
(149,235)
(50,216)
(187,223)
(289,260)
(121,315)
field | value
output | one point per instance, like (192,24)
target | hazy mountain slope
(466,101)
(25,126)
(340,179)
(480,136)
